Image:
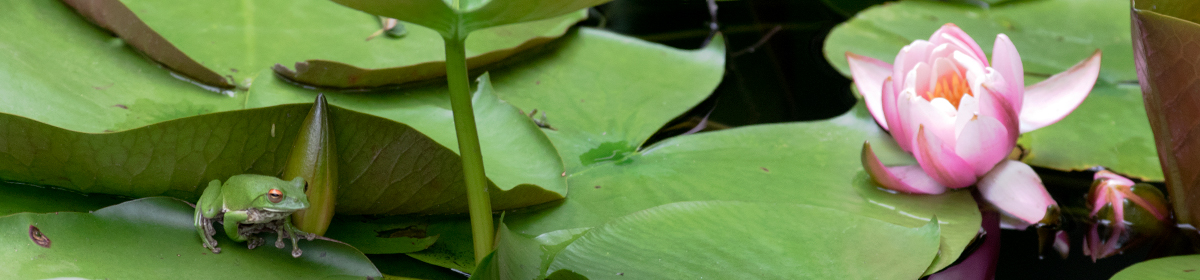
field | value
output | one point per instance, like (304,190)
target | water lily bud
(314,158)
(1126,214)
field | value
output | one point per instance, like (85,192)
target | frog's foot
(279,242)
(296,252)
(254,242)
(309,236)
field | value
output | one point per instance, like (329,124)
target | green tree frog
(248,204)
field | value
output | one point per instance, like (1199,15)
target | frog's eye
(275,196)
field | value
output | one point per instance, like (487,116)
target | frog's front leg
(232,219)
(207,208)
(295,233)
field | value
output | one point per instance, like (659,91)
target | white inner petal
(942,105)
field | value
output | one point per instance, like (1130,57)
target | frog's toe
(216,250)
(310,236)
(279,244)
(296,252)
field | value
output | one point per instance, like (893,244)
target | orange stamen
(950,86)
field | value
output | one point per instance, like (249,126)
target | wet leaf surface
(728,240)
(155,236)
(1112,127)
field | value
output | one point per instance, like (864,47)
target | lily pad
(1177,267)
(627,91)
(154,236)
(401,266)
(470,15)
(326,42)
(17,197)
(1111,119)
(730,240)
(1047,44)
(813,163)
(1165,46)
(380,158)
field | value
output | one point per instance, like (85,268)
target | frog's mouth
(273,210)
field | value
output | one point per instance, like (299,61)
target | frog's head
(281,196)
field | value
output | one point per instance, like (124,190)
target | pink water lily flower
(960,116)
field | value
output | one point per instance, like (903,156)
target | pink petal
(951,34)
(1014,188)
(1051,100)
(1007,61)
(907,60)
(983,143)
(909,179)
(993,104)
(940,162)
(869,74)
(891,111)
(1113,178)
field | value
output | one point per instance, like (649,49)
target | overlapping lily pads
(226,43)
(154,236)
(1116,139)
(757,240)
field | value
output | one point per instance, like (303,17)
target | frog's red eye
(275,196)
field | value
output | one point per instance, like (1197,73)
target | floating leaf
(1110,123)
(153,236)
(1177,267)
(471,15)
(211,40)
(1166,49)
(206,140)
(730,240)
(815,163)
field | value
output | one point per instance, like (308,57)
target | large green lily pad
(732,240)
(814,163)
(226,43)
(1112,120)
(1177,267)
(154,236)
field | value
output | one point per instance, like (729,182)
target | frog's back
(253,183)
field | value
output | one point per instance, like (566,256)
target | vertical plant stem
(478,201)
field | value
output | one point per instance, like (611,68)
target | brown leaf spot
(122,106)
(233,69)
(620,274)
(597,187)
(564,174)
(538,82)
(38,238)
(1188,270)
(764,169)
